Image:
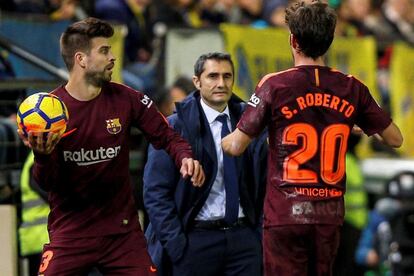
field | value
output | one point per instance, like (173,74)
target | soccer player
(310,110)
(93,221)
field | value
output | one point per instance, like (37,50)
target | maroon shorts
(301,249)
(121,254)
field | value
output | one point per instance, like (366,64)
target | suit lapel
(207,138)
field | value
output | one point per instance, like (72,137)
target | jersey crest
(113,126)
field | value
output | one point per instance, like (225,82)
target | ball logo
(113,126)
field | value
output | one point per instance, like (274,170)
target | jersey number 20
(333,135)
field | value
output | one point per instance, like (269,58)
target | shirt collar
(211,113)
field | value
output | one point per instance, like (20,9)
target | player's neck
(304,60)
(79,89)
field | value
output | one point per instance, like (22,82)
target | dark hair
(78,36)
(199,65)
(313,25)
(185,84)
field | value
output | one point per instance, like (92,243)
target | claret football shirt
(309,112)
(87,175)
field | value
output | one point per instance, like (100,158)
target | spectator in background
(56,9)
(356,213)
(274,12)
(135,15)
(177,13)
(35,210)
(12,151)
(69,9)
(251,11)
(31,6)
(367,253)
(163,100)
(230,9)
(355,13)
(398,14)
(181,88)
(209,14)
(386,245)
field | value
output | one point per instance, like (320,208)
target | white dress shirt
(215,205)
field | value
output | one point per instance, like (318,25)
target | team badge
(113,126)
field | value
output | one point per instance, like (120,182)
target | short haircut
(199,65)
(313,25)
(77,37)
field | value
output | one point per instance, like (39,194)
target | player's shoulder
(121,88)
(277,77)
(347,77)
(123,91)
(59,91)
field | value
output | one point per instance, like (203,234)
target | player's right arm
(252,121)
(236,142)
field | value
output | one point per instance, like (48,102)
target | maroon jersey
(309,112)
(87,175)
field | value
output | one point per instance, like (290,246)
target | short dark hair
(185,84)
(199,65)
(313,25)
(78,36)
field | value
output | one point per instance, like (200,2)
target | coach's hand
(35,141)
(191,167)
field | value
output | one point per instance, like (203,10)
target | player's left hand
(193,168)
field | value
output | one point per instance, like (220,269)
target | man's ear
(294,43)
(196,82)
(80,59)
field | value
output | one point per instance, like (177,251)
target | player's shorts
(121,254)
(301,249)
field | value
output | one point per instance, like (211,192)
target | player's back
(309,112)
(313,110)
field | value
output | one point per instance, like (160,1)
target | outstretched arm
(193,168)
(392,136)
(235,143)
(158,132)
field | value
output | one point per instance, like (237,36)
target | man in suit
(213,230)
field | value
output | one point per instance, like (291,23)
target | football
(42,112)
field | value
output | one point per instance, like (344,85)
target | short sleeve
(255,117)
(371,118)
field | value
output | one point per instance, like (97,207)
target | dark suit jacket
(172,203)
